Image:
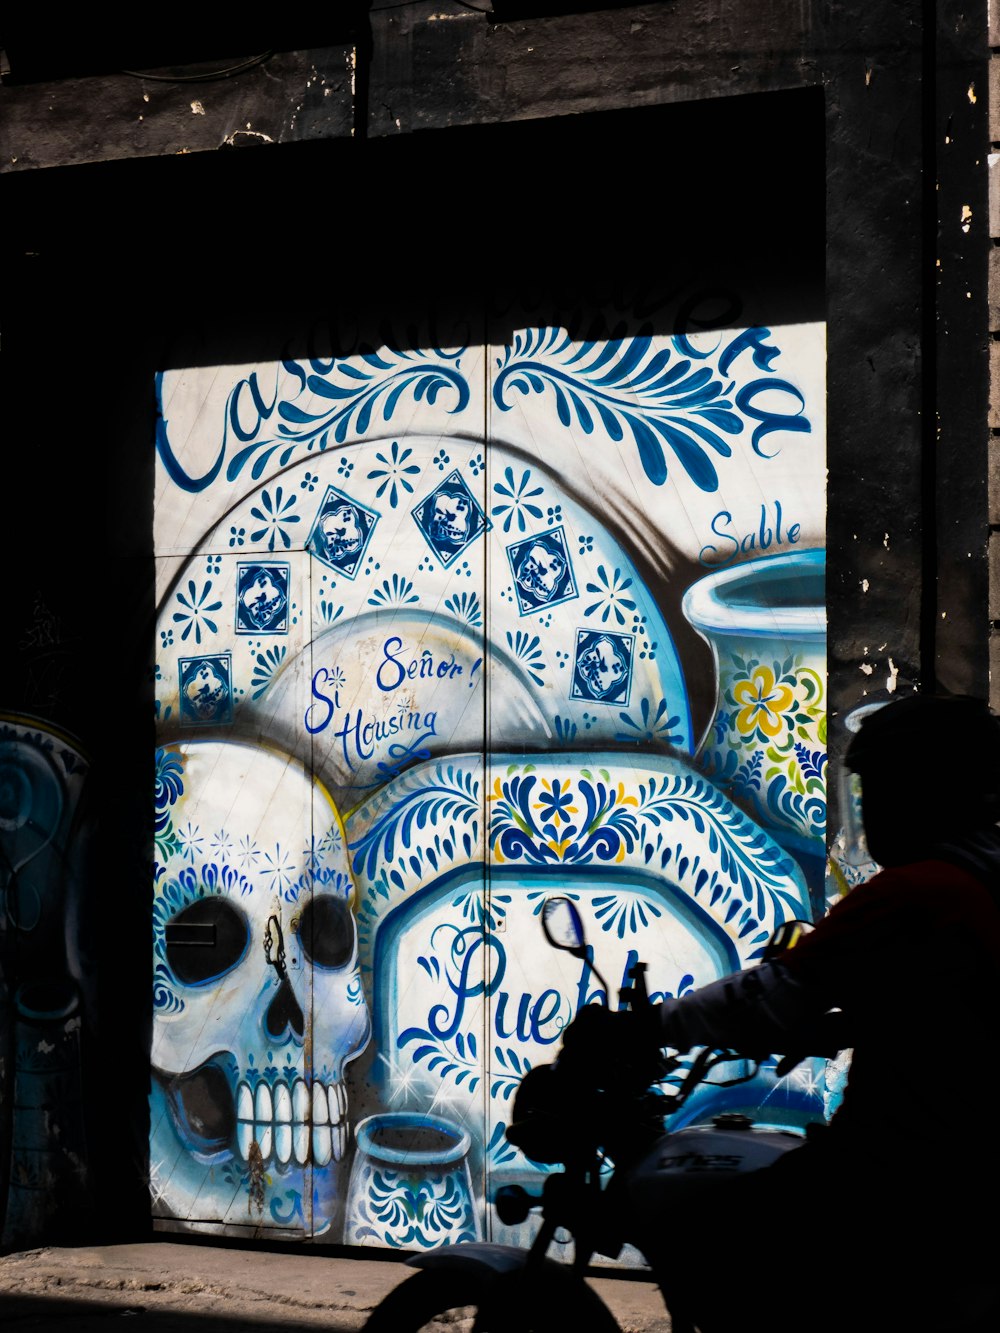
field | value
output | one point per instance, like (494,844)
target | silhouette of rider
(877,1221)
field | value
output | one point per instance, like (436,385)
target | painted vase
(410,1183)
(765,621)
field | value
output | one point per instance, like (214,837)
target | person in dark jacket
(882,1219)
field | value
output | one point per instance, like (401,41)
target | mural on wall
(414,675)
(46,980)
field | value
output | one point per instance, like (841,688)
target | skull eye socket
(206,940)
(326,929)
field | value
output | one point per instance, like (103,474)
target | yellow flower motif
(763,703)
(555,801)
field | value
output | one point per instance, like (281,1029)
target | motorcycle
(623,1173)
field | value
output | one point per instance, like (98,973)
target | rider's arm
(757,1010)
(848,961)
(764,1010)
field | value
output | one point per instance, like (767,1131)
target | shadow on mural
(445,626)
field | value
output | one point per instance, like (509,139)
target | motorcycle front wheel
(444,1301)
(433,1300)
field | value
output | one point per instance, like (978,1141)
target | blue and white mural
(420,663)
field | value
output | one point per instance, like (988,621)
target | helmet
(930,728)
(929,766)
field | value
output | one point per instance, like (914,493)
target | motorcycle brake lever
(638,991)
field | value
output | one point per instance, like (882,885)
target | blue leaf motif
(527,648)
(661,398)
(350,391)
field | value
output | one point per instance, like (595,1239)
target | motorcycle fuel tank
(695,1158)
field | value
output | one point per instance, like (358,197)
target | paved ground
(191,1287)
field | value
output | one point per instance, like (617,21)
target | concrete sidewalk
(166,1287)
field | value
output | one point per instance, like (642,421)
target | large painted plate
(453,863)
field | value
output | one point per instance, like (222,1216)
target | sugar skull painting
(258,999)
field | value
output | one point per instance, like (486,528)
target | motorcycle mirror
(563,926)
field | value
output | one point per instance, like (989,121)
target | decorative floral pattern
(457,1060)
(611,599)
(466,606)
(516,500)
(394,474)
(528,649)
(555,801)
(277,869)
(431,825)
(769,740)
(395,592)
(196,611)
(400,1209)
(508,1068)
(274,514)
(748,885)
(189,839)
(657,728)
(348,391)
(766,705)
(660,396)
(168,785)
(264,667)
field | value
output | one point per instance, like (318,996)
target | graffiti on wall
(412,676)
(46,981)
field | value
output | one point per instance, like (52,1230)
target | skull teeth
(303,1123)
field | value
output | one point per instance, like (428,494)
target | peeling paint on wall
(248,133)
